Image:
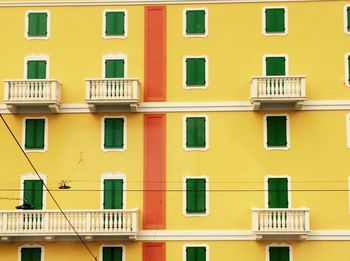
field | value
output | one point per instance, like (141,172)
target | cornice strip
(229,235)
(243,106)
(140,2)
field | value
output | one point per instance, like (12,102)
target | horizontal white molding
(149,107)
(174,235)
(225,235)
(139,2)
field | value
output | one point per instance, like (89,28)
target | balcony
(112,92)
(32,95)
(51,225)
(277,92)
(281,223)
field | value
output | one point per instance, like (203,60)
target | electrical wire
(47,189)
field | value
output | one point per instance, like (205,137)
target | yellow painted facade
(235,163)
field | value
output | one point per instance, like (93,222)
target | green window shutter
(31,254)
(37,24)
(195,196)
(113,193)
(275,20)
(36,69)
(115,23)
(278,193)
(112,253)
(195,71)
(33,193)
(279,253)
(195,254)
(35,134)
(42,27)
(114,68)
(276,131)
(195,132)
(195,22)
(348,69)
(275,66)
(114,133)
(348,18)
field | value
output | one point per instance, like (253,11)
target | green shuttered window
(276,131)
(195,22)
(278,192)
(35,134)
(31,254)
(112,254)
(275,66)
(195,71)
(196,253)
(37,24)
(275,20)
(348,67)
(115,23)
(113,194)
(114,68)
(279,253)
(348,18)
(195,132)
(36,69)
(33,193)
(114,133)
(195,195)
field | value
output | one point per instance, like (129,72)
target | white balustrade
(281,220)
(54,222)
(112,89)
(32,91)
(278,87)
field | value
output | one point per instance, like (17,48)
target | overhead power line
(47,189)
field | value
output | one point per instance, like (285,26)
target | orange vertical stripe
(153,251)
(155,53)
(154,171)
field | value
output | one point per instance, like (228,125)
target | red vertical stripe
(153,251)
(155,53)
(154,171)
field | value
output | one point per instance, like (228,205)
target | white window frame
(46,133)
(106,245)
(115,57)
(26,26)
(206,197)
(103,133)
(345,20)
(104,24)
(207,255)
(346,63)
(267,252)
(31,176)
(31,246)
(184,66)
(184,21)
(275,55)
(287,130)
(39,57)
(264,20)
(110,175)
(184,124)
(266,189)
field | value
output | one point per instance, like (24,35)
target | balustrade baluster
(301,221)
(296,221)
(260,220)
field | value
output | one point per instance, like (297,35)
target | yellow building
(175,130)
